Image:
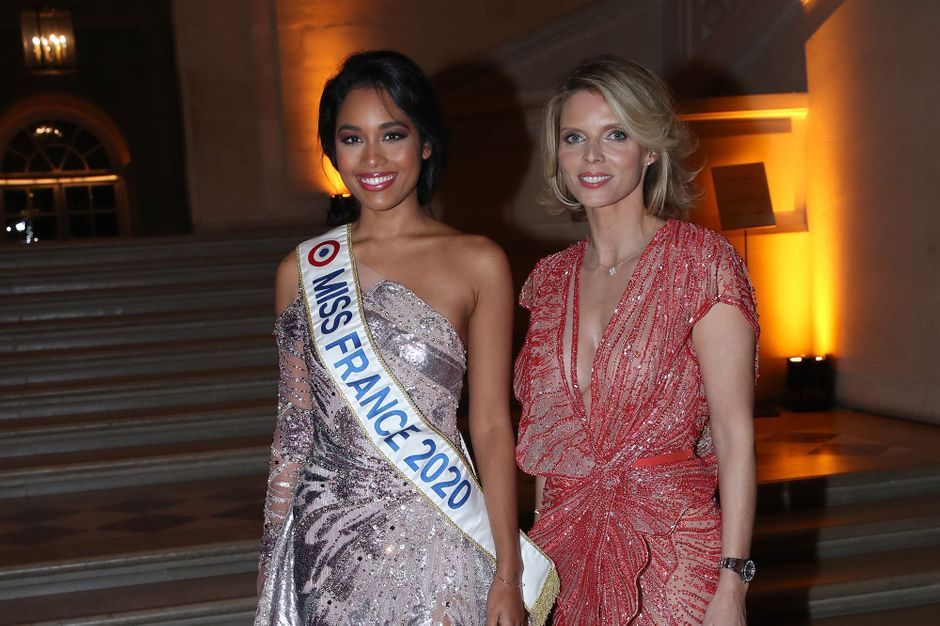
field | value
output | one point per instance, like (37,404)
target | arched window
(58,182)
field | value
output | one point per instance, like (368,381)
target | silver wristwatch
(745,568)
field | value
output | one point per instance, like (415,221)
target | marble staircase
(846,545)
(131,372)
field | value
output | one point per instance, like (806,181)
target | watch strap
(732,563)
(743,567)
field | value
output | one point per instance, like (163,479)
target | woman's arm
(292,429)
(724,343)
(488,353)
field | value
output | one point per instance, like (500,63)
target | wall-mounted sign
(743,196)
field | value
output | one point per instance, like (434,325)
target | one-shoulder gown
(347,540)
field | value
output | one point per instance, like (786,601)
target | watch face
(749,570)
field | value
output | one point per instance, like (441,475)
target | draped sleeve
(552,439)
(527,298)
(724,278)
(531,286)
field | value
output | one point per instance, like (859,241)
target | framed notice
(743,196)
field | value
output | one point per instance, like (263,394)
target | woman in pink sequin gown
(348,540)
(637,372)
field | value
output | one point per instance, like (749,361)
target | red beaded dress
(629,513)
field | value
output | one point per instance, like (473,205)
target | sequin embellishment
(633,543)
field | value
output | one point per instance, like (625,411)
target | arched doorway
(61,175)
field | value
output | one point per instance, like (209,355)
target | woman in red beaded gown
(637,372)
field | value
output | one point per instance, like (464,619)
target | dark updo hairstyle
(409,89)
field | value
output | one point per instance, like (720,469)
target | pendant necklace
(612,269)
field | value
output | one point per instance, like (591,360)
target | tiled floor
(802,445)
(54,528)
(84,525)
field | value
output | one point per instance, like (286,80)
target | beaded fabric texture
(634,543)
(366,547)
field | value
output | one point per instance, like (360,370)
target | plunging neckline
(573,386)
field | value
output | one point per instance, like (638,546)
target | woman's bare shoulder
(286,283)
(476,254)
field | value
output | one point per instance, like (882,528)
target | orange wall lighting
(334,182)
(770,129)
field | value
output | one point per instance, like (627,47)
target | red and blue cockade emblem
(323,253)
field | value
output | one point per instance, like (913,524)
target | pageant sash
(428,460)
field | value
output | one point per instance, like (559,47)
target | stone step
(847,488)
(206,601)
(110,384)
(123,277)
(858,528)
(45,367)
(240,608)
(74,433)
(64,307)
(203,530)
(922,615)
(794,594)
(799,592)
(142,393)
(230,600)
(122,570)
(148,251)
(95,525)
(94,470)
(118,330)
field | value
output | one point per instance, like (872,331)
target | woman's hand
(504,605)
(727,606)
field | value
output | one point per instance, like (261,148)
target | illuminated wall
(251,73)
(860,283)
(226,55)
(314,36)
(874,166)
(770,129)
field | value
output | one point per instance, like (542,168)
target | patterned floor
(123,520)
(40,529)
(800,445)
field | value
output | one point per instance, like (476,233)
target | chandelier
(48,39)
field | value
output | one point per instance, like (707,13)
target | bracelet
(503,580)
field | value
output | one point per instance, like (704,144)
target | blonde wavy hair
(643,103)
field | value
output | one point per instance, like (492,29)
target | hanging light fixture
(48,39)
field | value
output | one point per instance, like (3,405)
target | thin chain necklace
(612,269)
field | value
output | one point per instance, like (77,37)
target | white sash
(435,467)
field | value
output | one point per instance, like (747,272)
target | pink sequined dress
(347,540)
(629,513)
